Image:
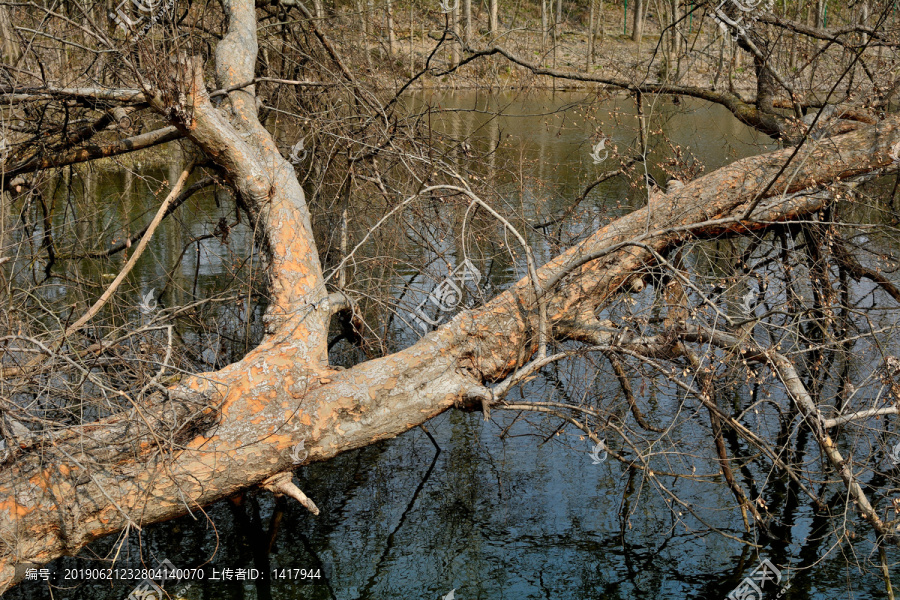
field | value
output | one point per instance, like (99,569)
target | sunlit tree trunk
(544,25)
(493,19)
(467,21)
(589,58)
(637,30)
(676,28)
(454,26)
(392,40)
(864,19)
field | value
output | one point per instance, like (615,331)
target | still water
(488,510)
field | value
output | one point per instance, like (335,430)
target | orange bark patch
(14,508)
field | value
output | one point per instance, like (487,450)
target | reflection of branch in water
(389,544)
(259,550)
(636,558)
(281,504)
(260,541)
(811,552)
(552,377)
(571,208)
(247,527)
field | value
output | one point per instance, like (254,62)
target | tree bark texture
(493,18)
(392,37)
(637,30)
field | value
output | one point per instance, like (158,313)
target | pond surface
(496,509)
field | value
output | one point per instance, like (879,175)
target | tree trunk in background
(602,23)
(8,47)
(364,27)
(493,18)
(554,41)
(412,59)
(676,28)
(392,40)
(864,19)
(454,26)
(467,21)
(637,30)
(589,59)
(320,10)
(544,23)
(363,21)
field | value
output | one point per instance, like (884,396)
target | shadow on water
(494,510)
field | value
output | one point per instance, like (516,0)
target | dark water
(511,508)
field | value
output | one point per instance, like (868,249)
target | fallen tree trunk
(217,433)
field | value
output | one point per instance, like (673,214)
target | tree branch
(79,155)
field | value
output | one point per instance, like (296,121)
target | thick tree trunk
(217,433)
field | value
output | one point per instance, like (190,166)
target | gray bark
(637,25)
